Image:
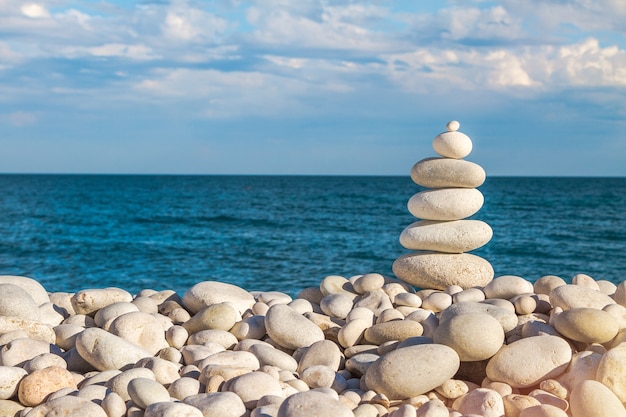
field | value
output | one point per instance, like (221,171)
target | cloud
(35,11)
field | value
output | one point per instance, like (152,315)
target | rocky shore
(365,346)
(443,339)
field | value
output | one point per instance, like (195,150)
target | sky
(311,87)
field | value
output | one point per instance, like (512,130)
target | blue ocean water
(285,233)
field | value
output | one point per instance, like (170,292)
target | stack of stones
(444,234)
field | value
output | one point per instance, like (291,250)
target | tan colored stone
(141,329)
(146,391)
(574,296)
(10,377)
(411,371)
(89,301)
(220,316)
(507,287)
(33,329)
(35,387)
(32,287)
(587,325)
(441,270)
(612,371)
(593,399)
(290,329)
(217,404)
(313,403)
(206,293)
(528,361)
(105,351)
(393,330)
(473,336)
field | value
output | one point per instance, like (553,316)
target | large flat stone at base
(440,270)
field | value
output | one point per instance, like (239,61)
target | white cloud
(184,23)
(35,11)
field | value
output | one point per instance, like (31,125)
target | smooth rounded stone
(446,203)
(104,350)
(427,319)
(240,359)
(164,371)
(10,408)
(313,403)
(587,325)
(336,305)
(268,355)
(184,387)
(412,370)
(19,351)
(507,318)
(482,401)
(358,363)
(34,329)
(407,299)
(273,297)
(473,336)
(318,376)
(68,405)
(447,173)
(452,144)
(545,397)
(95,393)
(10,377)
(606,287)
(113,405)
(300,305)
(252,327)
(543,410)
(618,312)
(112,311)
(16,302)
(368,282)
(176,336)
(468,295)
(220,316)
(525,303)
(43,361)
(528,361)
(80,320)
(66,335)
(441,270)
(32,287)
(324,352)
(389,315)
(224,338)
(593,399)
(252,386)
(172,409)
(611,371)
(335,284)
(584,280)
(574,296)
(437,301)
(170,354)
(432,408)
(50,314)
(514,404)
(35,387)
(376,301)
(312,294)
(507,287)
(193,354)
(146,304)
(141,329)
(290,329)
(206,293)
(146,391)
(217,404)
(538,328)
(393,330)
(119,383)
(12,335)
(454,236)
(547,283)
(89,301)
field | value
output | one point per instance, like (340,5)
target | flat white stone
(612,371)
(412,371)
(146,391)
(206,293)
(446,203)
(313,403)
(290,329)
(447,172)
(217,404)
(104,350)
(441,270)
(507,287)
(454,236)
(453,144)
(16,302)
(473,336)
(528,361)
(573,296)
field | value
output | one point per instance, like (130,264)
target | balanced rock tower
(444,234)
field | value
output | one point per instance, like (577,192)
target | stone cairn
(444,235)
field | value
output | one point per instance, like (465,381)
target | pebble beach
(442,338)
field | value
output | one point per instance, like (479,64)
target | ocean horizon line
(130,174)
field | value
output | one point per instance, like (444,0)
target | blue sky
(310,86)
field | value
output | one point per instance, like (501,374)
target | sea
(285,233)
